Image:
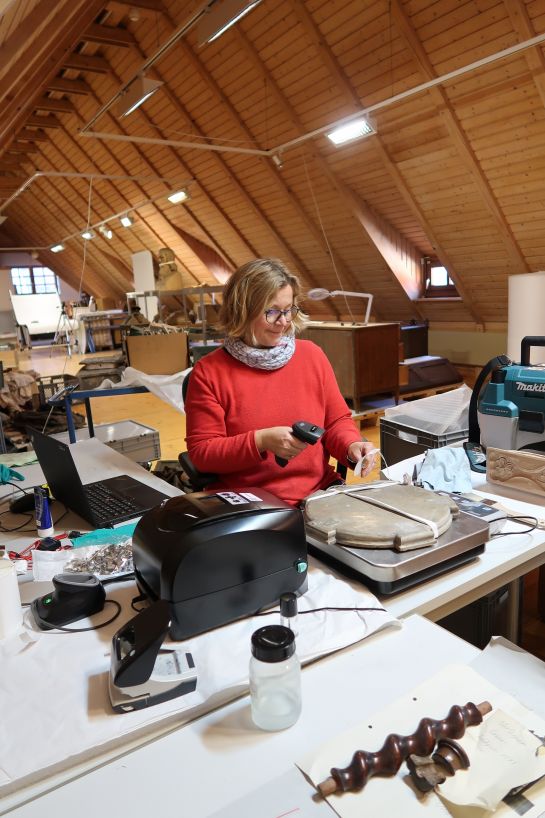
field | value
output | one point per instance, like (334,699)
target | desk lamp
(319,293)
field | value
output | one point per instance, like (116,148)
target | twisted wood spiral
(396,749)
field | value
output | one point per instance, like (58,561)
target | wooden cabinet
(365,358)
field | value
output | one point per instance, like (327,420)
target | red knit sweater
(228,400)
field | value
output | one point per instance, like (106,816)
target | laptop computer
(102,503)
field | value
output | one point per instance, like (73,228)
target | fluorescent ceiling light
(221,15)
(178,196)
(350,131)
(57,248)
(126,221)
(135,94)
(88,235)
(107,232)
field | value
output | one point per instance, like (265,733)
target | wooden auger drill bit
(397,749)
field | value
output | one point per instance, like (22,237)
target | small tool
(305,431)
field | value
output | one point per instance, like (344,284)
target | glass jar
(275,678)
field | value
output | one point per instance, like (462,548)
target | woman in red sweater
(243,398)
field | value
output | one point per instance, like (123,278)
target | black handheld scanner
(307,432)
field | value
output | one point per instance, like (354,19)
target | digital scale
(386,571)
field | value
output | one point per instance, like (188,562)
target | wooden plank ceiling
(456,171)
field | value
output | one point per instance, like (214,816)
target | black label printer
(218,557)
(203,560)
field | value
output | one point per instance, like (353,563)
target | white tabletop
(205,765)
(505,558)
(209,763)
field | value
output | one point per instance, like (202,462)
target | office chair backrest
(196,480)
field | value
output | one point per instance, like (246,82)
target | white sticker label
(232,498)
(251,497)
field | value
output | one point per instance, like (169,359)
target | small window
(437,282)
(28,280)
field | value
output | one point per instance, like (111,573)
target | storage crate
(479,621)
(49,384)
(134,440)
(399,441)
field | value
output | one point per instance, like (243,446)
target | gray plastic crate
(399,441)
(135,440)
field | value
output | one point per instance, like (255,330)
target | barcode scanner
(75,596)
(307,432)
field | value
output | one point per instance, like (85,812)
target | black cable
(119,578)
(96,627)
(317,610)
(29,517)
(521,519)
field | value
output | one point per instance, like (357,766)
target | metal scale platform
(387,571)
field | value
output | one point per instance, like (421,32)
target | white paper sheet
(387,797)
(54,704)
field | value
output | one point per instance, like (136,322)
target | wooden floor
(170,424)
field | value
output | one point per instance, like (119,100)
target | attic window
(437,281)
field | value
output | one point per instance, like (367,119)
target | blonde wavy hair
(250,291)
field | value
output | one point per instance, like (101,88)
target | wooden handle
(397,749)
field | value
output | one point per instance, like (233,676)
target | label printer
(218,557)
(203,560)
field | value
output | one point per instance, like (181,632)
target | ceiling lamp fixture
(351,131)
(57,248)
(88,235)
(178,196)
(105,231)
(319,293)
(221,15)
(126,220)
(137,92)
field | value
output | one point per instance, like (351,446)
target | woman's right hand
(280,441)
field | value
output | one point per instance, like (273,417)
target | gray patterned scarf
(266,358)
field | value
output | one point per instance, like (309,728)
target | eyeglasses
(272,316)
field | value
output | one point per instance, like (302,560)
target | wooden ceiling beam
(40,58)
(59,106)
(225,102)
(98,243)
(146,162)
(10,166)
(292,116)
(534,56)
(24,147)
(32,135)
(409,200)
(458,136)
(93,63)
(149,5)
(402,187)
(49,121)
(66,86)
(78,146)
(355,206)
(108,35)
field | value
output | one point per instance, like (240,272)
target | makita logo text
(530,387)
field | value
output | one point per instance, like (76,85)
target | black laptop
(102,503)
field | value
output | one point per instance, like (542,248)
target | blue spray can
(44,523)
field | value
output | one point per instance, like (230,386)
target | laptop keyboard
(107,505)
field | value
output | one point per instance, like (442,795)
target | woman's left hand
(358,450)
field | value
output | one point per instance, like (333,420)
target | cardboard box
(158,354)
(105,303)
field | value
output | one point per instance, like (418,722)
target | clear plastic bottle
(275,678)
